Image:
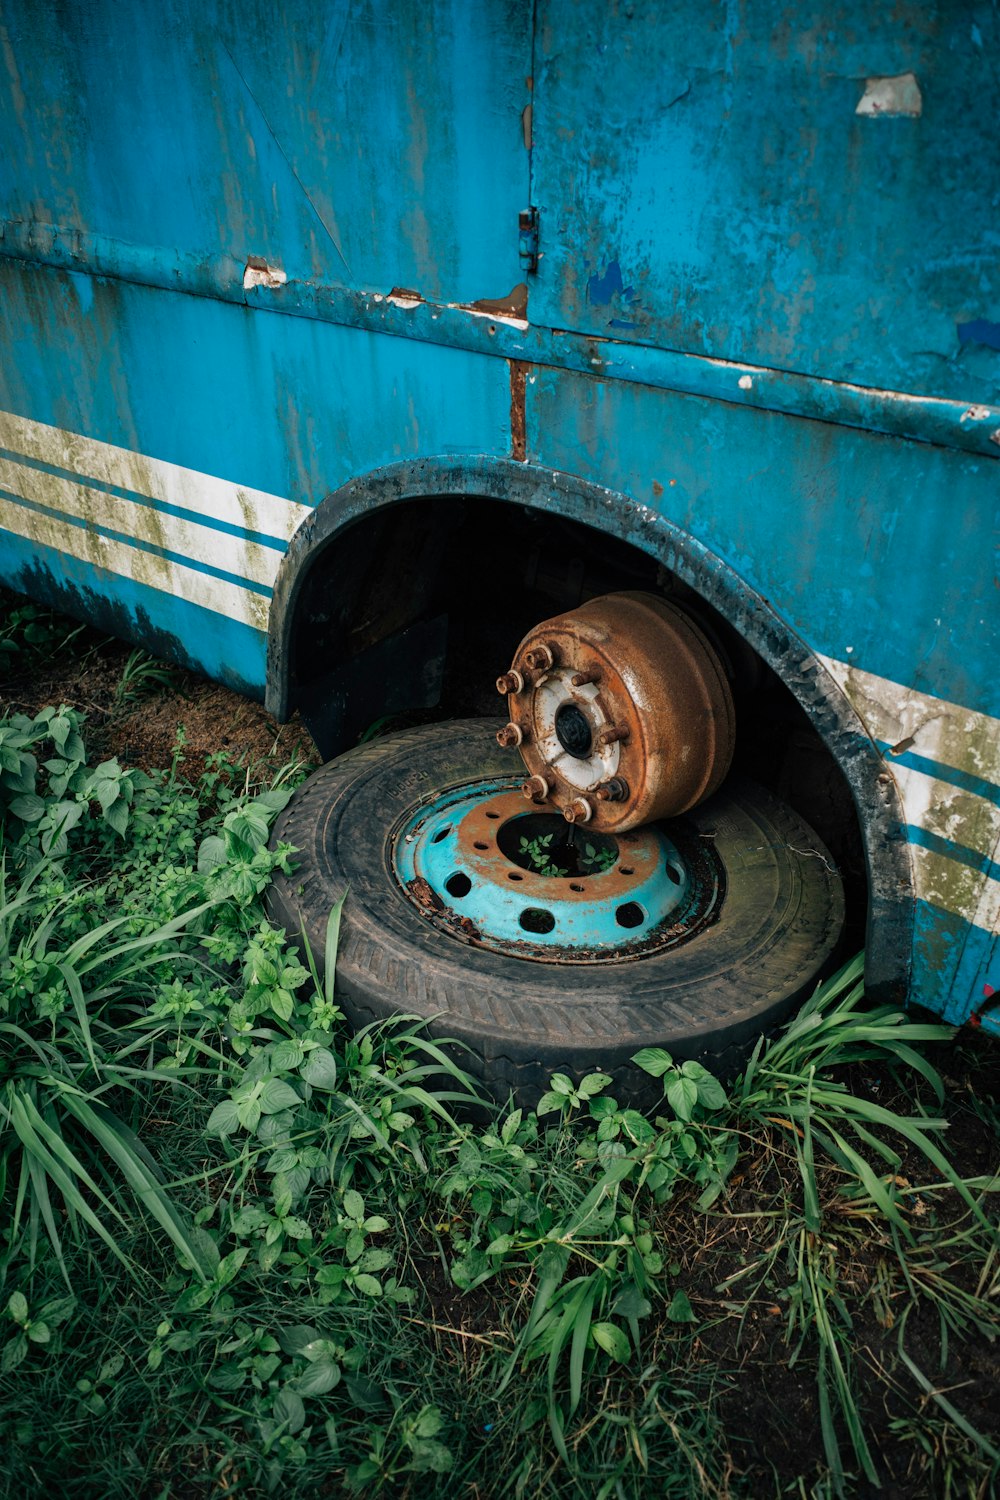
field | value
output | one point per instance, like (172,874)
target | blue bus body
(719,282)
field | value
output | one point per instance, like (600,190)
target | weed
(536,853)
(141,677)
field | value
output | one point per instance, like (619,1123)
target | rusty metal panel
(811,188)
(363,143)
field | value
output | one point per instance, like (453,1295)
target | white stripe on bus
(951,736)
(171,578)
(215,499)
(202,544)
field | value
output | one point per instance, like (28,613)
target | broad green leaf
(224,1119)
(592,1084)
(354,1204)
(320,1069)
(297,1338)
(682,1096)
(680,1309)
(282,1002)
(319,1378)
(116,816)
(211,854)
(637,1126)
(630,1303)
(297,1228)
(18,1307)
(13,1353)
(711,1094)
(289,1410)
(369,1285)
(248,1112)
(429,1422)
(653,1060)
(277,1095)
(28,808)
(613,1340)
(286,1056)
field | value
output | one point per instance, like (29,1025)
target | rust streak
(518,433)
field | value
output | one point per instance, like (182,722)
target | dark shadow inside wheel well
(411,612)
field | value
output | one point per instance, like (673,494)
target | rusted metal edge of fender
(929,419)
(876,796)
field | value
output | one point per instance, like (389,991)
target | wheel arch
(873,789)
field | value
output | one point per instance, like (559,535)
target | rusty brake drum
(621,712)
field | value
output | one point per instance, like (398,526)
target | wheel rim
(462,861)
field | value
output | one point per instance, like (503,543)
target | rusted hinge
(527,223)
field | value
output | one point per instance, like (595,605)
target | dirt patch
(135,704)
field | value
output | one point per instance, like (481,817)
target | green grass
(245,1252)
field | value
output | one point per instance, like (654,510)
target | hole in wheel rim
(536,919)
(554,849)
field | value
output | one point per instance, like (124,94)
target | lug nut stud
(581,679)
(613,734)
(540,658)
(510,682)
(510,736)
(578,811)
(535,789)
(615,790)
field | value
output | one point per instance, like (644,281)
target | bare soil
(134,715)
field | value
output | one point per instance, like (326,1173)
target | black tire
(709,998)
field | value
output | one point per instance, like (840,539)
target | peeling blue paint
(980,331)
(602,288)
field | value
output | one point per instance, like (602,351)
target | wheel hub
(621,712)
(481,866)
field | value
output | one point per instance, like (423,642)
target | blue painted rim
(452,858)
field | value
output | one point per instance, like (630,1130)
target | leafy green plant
(32,631)
(596,860)
(142,675)
(536,852)
(29,1328)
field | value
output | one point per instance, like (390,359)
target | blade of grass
(124,1148)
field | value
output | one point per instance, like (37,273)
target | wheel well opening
(410,613)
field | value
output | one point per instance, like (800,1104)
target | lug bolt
(510,736)
(510,682)
(613,734)
(580,811)
(540,658)
(615,790)
(581,679)
(535,789)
